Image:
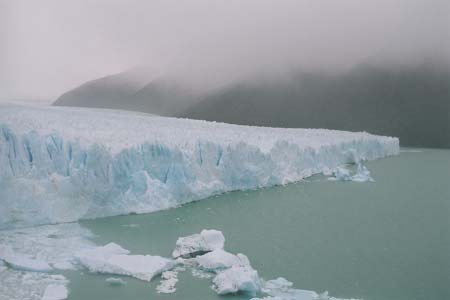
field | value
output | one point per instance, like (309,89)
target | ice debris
(219,259)
(20,285)
(55,292)
(114,281)
(238,278)
(192,245)
(362,174)
(113,259)
(233,272)
(281,289)
(22,262)
(168,281)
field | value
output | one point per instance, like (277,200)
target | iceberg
(63,164)
(168,281)
(238,278)
(233,272)
(113,259)
(207,240)
(218,260)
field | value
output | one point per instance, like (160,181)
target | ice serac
(64,164)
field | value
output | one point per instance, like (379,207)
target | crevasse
(66,164)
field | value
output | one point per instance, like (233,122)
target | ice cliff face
(65,164)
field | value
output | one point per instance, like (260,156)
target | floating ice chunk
(113,281)
(342,174)
(281,289)
(362,174)
(238,278)
(113,259)
(53,244)
(192,245)
(55,292)
(23,262)
(217,260)
(201,274)
(168,281)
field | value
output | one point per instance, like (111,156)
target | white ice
(234,272)
(63,164)
(113,281)
(362,174)
(281,289)
(20,261)
(44,248)
(168,281)
(207,240)
(238,278)
(20,285)
(113,259)
(41,248)
(55,292)
(218,260)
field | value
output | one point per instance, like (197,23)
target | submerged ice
(66,164)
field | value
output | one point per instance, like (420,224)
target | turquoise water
(384,240)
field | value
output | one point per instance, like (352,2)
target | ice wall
(66,164)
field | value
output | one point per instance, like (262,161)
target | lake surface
(377,241)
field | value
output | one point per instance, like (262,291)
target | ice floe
(113,259)
(207,240)
(20,285)
(22,262)
(168,281)
(282,289)
(55,292)
(218,260)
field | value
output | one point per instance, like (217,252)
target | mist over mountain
(132,90)
(412,103)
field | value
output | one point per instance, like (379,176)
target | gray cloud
(50,46)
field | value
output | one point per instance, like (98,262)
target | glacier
(61,164)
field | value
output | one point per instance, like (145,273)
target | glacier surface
(64,164)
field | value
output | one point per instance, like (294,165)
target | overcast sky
(50,46)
